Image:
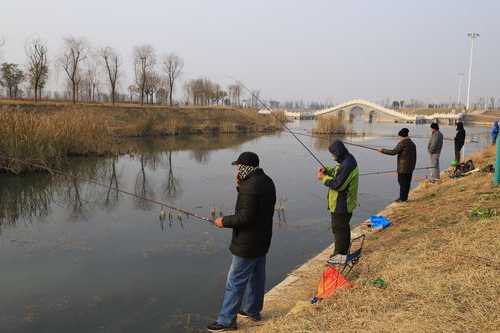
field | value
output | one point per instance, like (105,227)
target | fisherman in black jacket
(252,226)
(407,159)
(459,141)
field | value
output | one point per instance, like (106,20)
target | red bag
(331,281)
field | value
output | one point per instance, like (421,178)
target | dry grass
(442,267)
(48,133)
(48,139)
(329,125)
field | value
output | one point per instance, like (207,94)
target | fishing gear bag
(461,169)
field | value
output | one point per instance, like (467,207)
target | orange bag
(331,281)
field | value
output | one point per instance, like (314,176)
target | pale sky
(288,49)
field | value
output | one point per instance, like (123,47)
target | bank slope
(440,259)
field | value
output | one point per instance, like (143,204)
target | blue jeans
(244,288)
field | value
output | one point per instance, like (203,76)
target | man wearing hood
(342,182)
(407,158)
(459,141)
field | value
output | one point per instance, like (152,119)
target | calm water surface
(75,257)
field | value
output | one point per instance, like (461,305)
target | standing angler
(252,226)
(342,182)
(434,148)
(407,158)
(459,141)
(494,132)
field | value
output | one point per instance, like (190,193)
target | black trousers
(458,152)
(404,180)
(341,232)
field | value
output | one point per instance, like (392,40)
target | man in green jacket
(342,182)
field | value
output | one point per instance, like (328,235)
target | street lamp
(459,97)
(472,36)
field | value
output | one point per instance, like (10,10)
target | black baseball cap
(247,158)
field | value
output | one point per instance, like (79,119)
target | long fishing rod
(279,120)
(95,182)
(389,171)
(376,148)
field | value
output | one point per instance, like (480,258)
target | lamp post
(459,97)
(473,36)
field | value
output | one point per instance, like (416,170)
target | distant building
(274,104)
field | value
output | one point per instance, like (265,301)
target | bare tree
(74,52)
(172,65)
(153,85)
(144,61)
(38,70)
(235,93)
(112,62)
(90,78)
(11,76)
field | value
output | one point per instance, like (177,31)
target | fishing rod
(376,148)
(279,120)
(389,171)
(97,183)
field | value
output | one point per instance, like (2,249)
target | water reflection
(25,200)
(171,187)
(28,197)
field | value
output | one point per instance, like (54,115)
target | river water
(76,257)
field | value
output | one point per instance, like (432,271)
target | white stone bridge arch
(372,112)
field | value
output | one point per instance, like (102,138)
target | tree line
(96,74)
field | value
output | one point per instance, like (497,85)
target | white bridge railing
(396,114)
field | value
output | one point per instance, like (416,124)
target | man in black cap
(434,147)
(407,159)
(252,225)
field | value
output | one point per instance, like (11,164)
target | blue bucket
(379,222)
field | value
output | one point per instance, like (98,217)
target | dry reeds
(49,138)
(329,125)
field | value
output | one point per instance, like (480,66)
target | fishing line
(389,171)
(279,120)
(95,182)
(369,147)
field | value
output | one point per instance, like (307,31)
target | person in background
(342,182)
(494,132)
(407,159)
(252,226)
(459,141)
(434,148)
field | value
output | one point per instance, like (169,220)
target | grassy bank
(49,133)
(440,259)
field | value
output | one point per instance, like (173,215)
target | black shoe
(249,316)
(216,327)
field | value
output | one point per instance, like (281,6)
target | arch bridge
(372,112)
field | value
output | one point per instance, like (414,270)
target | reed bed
(48,134)
(48,139)
(330,125)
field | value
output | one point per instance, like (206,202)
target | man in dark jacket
(252,226)
(407,158)
(342,182)
(459,141)
(434,148)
